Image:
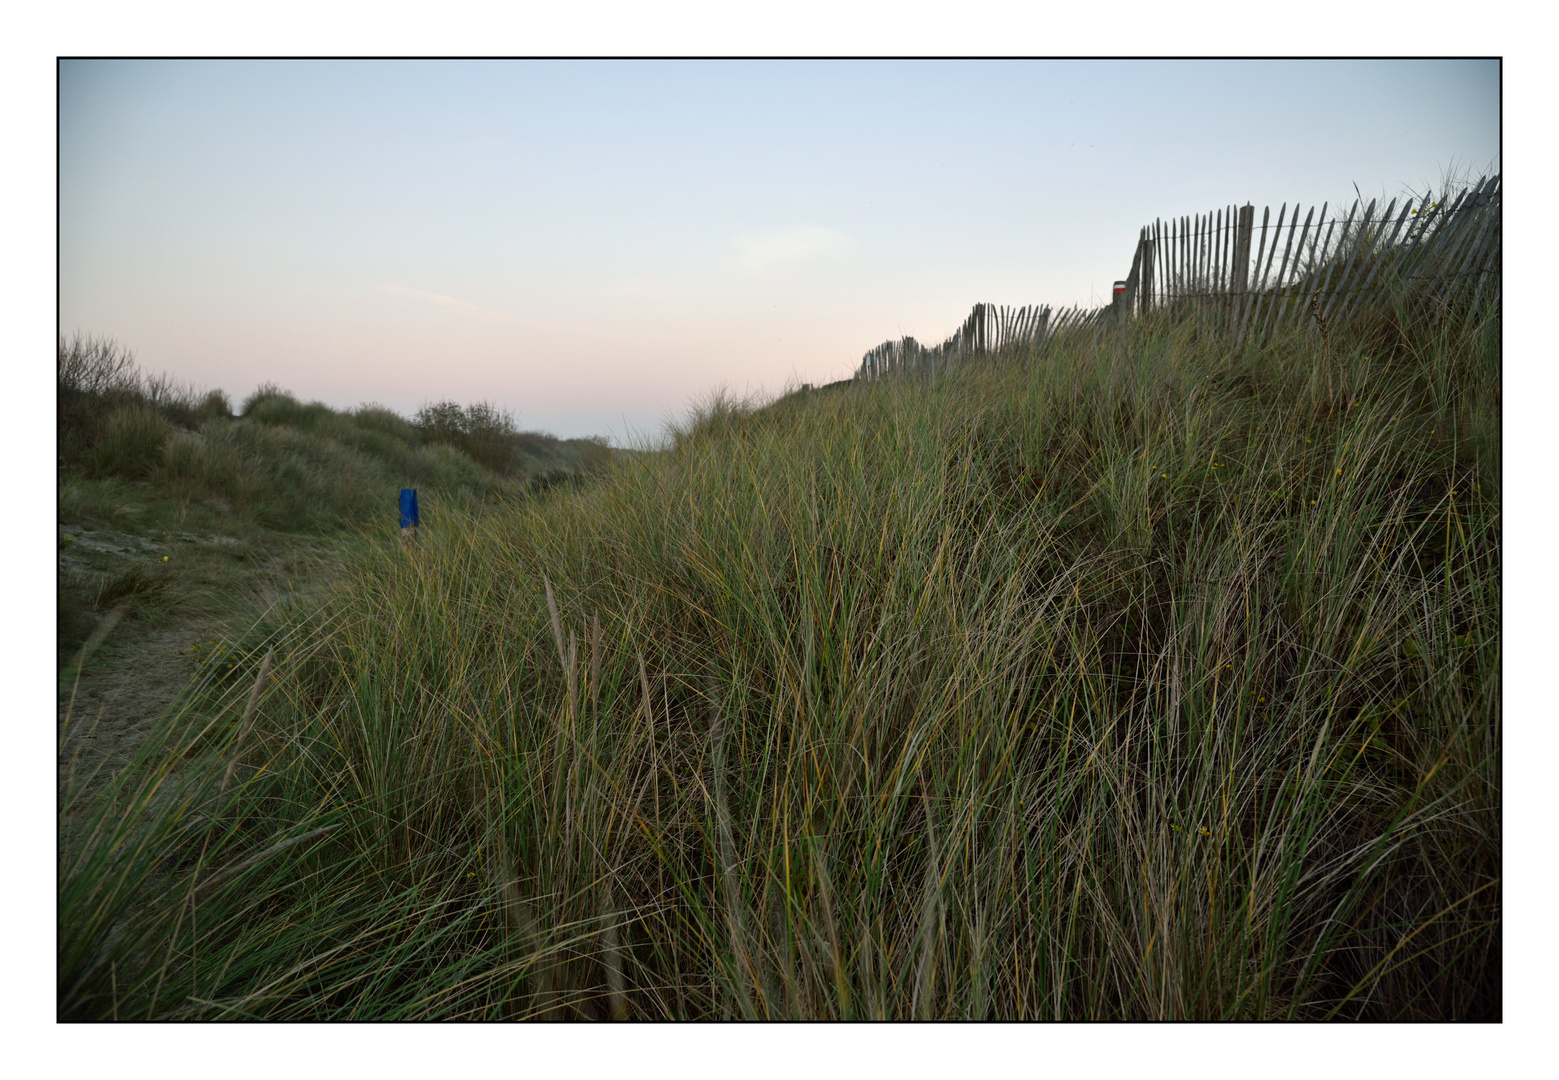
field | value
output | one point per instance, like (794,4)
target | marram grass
(1144,679)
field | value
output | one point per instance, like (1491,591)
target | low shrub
(483,431)
(106,408)
(129,441)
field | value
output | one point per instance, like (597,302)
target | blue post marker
(409,517)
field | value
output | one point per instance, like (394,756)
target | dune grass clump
(1147,678)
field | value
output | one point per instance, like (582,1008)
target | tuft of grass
(138,582)
(1151,677)
(129,442)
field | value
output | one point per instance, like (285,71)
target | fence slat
(1166,272)
(1161,261)
(1210,277)
(1214,242)
(1180,262)
(1214,246)
(1210,262)
(1193,226)
(1261,287)
(1158,254)
(1156,293)
(1186,286)
(1232,268)
(1165,261)
(1221,274)
(1188,283)
(1226,268)
(1204,251)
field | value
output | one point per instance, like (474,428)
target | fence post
(1239,278)
(1145,280)
(1133,283)
(1118,303)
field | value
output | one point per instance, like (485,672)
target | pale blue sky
(595,245)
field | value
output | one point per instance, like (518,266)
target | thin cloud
(778,247)
(450,302)
(434,298)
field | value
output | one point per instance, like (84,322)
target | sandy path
(104,715)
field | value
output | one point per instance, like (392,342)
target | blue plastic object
(409,508)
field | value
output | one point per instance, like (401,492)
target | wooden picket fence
(1444,251)
(1439,253)
(989,328)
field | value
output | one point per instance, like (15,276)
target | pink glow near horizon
(596,245)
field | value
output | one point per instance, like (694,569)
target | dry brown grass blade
(249,713)
(568,673)
(649,716)
(101,631)
(729,885)
(223,875)
(557,623)
(925,973)
(567,656)
(521,931)
(825,899)
(616,988)
(595,667)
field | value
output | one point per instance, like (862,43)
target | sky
(597,245)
